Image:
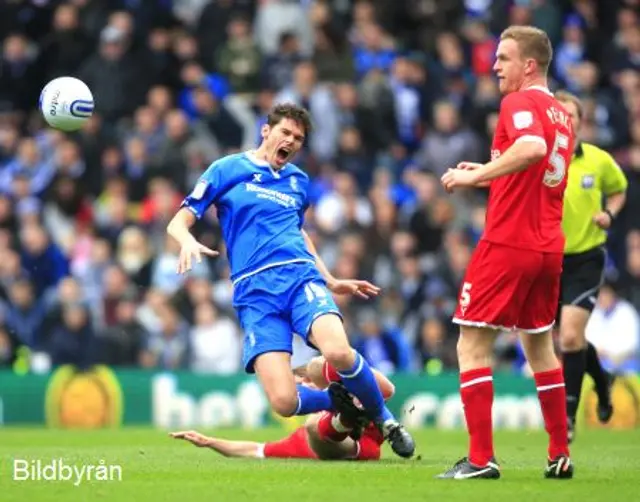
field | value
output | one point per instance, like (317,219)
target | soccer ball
(66,103)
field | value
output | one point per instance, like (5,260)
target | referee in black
(595,194)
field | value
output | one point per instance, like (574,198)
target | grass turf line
(156,467)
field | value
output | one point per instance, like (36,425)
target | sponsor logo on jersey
(522,120)
(199,190)
(283,199)
(588,181)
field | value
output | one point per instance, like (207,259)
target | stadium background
(399,90)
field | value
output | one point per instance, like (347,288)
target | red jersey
(525,208)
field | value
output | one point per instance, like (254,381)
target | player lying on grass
(281,285)
(325,435)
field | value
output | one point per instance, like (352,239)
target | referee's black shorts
(582,277)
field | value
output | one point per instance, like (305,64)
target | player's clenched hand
(458,178)
(192,249)
(472,166)
(363,289)
(603,220)
(195,438)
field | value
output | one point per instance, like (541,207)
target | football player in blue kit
(281,286)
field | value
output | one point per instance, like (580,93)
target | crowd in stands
(399,91)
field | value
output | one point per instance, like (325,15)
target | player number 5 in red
(557,164)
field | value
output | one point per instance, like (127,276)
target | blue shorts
(274,304)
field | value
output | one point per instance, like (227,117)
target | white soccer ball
(66,103)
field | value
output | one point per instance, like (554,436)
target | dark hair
(290,111)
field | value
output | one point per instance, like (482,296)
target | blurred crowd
(399,91)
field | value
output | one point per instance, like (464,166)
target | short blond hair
(533,43)
(567,97)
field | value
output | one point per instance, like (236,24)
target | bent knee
(311,424)
(340,356)
(572,340)
(284,404)
(474,351)
(388,391)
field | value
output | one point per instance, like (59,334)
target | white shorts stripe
(534,331)
(542,388)
(476,381)
(480,324)
(271,265)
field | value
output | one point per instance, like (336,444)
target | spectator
(42,259)
(121,344)
(239,58)
(114,76)
(73,340)
(383,347)
(398,94)
(619,354)
(315,96)
(279,16)
(216,342)
(169,348)
(24,314)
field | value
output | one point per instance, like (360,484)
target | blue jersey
(261,211)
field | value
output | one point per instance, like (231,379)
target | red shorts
(508,288)
(368,448)
(296,445)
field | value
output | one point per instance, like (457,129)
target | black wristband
(608,211)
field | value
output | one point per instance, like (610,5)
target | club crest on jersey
(588,180)
(293,181)
(199,190)
(522,120)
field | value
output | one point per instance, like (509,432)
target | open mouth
(282,154)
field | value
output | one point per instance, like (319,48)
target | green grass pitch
(156,467)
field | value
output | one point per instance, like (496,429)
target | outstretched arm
(179,228)
(226,447)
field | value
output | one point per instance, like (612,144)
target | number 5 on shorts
(465,295)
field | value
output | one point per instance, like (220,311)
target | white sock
(338,425)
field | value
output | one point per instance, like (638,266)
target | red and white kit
(513,279)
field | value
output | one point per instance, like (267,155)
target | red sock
(476,391)
(327,429)
(293,446)
(330,373)
(552,395)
